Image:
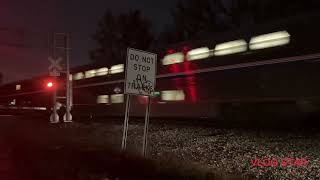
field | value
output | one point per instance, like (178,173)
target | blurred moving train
(264,75)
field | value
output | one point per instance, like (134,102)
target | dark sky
(24,25)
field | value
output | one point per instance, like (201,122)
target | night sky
(24,26)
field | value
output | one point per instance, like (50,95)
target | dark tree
(198,18)
(116,33)
(241,11)
(191,19)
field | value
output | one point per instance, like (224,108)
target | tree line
(191,20)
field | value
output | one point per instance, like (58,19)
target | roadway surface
(7,169)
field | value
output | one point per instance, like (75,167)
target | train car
(265,75)
(26,97)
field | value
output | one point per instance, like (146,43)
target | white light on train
(270,40)
(40,108)
(117,90)
(172,95)
(231,47)
(117,98)
(18,87)
(173,58)
(199,53)
(102,71)
(103,99)
(13,102)
(78,76)
(119,68)
(90,73)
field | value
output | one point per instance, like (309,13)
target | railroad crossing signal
(55,67)
(61,48)
(50,84)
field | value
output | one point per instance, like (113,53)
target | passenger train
(265,75)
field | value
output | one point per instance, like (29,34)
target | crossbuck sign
(140,72)
(55,67)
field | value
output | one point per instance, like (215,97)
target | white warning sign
(140,72)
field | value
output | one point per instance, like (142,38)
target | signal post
(61,48)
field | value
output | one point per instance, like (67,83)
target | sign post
(68,80)
(140,80)
(145,130)
(54,70)
(126,124)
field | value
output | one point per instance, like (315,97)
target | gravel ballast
(231,151)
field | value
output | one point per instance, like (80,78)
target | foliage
(269,10)
(193,19)
(116,33)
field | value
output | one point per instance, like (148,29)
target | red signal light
(50,84)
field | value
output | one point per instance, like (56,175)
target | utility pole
(65,49)
(55,118)
(68,88)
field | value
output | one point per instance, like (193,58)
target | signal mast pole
(68,93)
(66,48)
(55,114)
